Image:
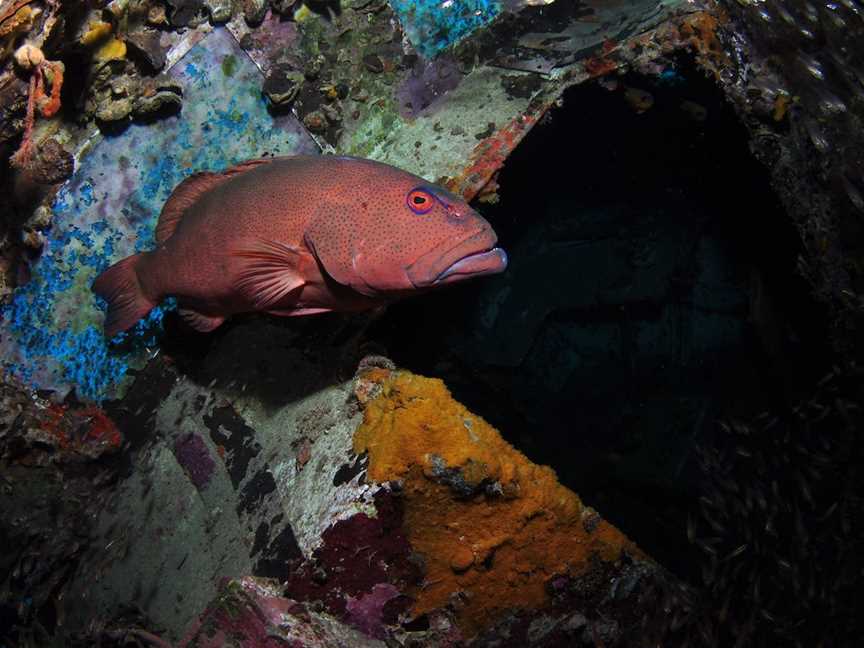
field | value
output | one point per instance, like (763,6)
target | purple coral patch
(366,612)
(357,556)
(194,456)
(426,86)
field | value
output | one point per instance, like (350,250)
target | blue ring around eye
(430,200)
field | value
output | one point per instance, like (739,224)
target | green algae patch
(229,65)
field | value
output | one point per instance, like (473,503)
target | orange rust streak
(53,424)
(490,154)
(598,66)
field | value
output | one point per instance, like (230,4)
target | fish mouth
(478,264)
(475,256)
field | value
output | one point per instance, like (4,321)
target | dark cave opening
(652,290)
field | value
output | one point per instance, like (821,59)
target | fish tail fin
(120,286)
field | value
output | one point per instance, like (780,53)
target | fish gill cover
(108,211)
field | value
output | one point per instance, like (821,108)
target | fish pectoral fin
(199,321)
(188,192)
(270,272)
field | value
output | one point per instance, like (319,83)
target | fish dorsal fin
(190,190)
(270,271)
(184,196)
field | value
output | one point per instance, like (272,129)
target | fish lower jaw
(476,264)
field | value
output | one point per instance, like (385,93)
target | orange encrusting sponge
(491,526)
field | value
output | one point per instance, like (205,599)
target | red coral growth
(596,66)
(48,105)
(52,423)
(100,428)
(85,430)
(489,155)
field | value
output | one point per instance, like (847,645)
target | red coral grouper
(297,236)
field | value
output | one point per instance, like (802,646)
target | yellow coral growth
(98,31)
(781,106)
(14,24)
(302,14)
(489,523)
(111,50)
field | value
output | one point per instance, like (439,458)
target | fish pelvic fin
(120,287)
(200,321)
(270,271)
(190,190)
(299,312)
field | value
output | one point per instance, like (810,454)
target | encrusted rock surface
(380,504)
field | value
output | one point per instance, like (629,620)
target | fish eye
(420,201)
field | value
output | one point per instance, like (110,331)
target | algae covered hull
(381,504)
